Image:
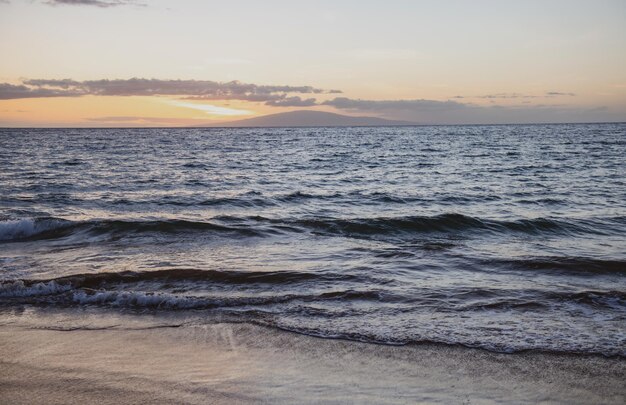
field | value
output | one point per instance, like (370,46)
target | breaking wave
(257,226)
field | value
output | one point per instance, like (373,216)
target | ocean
(505,237)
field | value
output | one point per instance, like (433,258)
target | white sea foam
(19,289)
(140,299)
(26,227)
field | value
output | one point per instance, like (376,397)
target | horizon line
(327,126)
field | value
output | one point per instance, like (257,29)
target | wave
(108,286)
(567,264)
(29,227)
(541,300)
(294,301)
(119,289)
(448,223)
(169,301)
(51,228)
(251,226)
(52,293)
(252,199)
(95,280)
(25,288)
(55,293)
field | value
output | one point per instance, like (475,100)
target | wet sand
(127,360)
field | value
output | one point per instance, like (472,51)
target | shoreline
(71,357)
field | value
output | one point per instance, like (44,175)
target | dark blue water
(501,237)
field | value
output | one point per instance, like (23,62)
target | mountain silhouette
(304,118)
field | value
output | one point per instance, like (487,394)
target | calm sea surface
(501,237)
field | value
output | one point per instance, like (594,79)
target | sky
(95,63)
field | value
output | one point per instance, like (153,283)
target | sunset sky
(193,62)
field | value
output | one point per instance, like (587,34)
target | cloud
(10,92)
(393,105)
(246,96)
(454,112)
(521,96)
(190,89)
(294,101)
(94,3)
(557,93)
(506,96)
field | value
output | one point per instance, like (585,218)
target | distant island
(303,118)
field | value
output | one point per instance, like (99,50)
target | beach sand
(69,357)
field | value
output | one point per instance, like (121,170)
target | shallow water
(501,237)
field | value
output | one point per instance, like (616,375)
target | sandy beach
(126,359)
